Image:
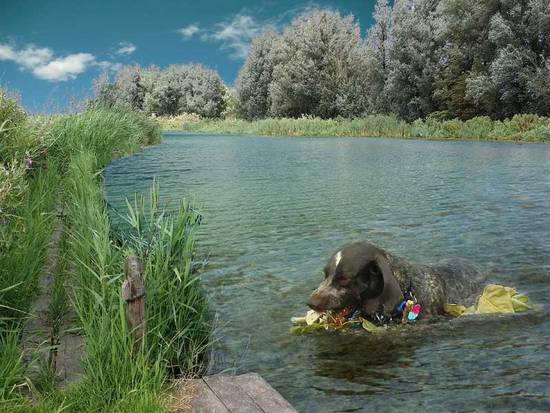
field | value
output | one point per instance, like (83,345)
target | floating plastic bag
(494,299)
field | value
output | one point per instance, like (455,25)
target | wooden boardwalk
(247,393)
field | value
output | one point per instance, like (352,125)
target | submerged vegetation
(56,164)
(520,128)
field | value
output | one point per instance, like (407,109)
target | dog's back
(454,280)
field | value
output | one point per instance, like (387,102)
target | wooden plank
(231,394)
(133,292)
(205,401)
(265,396)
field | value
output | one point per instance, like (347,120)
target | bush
(105,133)
(12,120)
(178,89)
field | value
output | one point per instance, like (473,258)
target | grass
(112,369)
(520,128)
(107,134)
(68,154)
(25,239)
(178,318)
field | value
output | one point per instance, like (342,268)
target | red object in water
(344,312)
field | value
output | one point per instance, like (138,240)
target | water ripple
(275,208)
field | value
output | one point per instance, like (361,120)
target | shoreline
(518,129)
(411,138)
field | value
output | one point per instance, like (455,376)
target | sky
(51,50)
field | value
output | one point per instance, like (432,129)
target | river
(276,208)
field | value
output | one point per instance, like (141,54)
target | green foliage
(230,104)
(106,133)
(464,57)
(189,88)
(12,367)
(316,67)
(528,128)
(118,376)
(178,318)
(12,119)
(23,245)
(112,368)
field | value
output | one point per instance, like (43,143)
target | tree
(322,68)
(412,59)
(256,74)
(200,89)
(378,43)
(177,89)
(129,89)
(105,92)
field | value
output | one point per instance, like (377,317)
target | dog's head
(357,275)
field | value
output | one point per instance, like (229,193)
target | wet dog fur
(363,276)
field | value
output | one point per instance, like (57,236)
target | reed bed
(68,154)
(520,128)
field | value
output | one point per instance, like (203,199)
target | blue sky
(51,50)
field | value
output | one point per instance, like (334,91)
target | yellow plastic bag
(495,299)
(454,309)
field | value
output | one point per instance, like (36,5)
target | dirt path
(50,337)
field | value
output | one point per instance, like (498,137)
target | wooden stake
(133,292)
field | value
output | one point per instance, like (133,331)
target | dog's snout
(317,302)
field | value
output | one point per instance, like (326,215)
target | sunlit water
(276,208)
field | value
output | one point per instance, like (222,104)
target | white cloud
(236,34)
(64,68)
(29,57)
(43,64)
(189,31)
(126,48)
(106,65)
(7,52)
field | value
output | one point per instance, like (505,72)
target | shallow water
(276,208)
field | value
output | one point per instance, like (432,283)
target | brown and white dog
(362,276)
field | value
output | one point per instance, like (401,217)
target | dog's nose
(316,303)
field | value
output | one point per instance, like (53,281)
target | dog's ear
(373,275)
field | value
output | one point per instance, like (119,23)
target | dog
(362,277)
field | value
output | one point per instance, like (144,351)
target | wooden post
(133,292)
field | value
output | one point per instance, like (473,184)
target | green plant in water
(179,322)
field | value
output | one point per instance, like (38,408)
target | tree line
(440,58)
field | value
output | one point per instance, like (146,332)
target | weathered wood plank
(232,395)
(205,401)
(133,292)
(265,396)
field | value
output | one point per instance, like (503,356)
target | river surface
(276,208)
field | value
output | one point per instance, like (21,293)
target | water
(276,208)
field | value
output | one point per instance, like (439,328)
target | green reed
(69,153)
(525,128)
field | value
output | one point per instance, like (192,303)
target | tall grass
(112,369)
(178,317)
(69,152)
(525,128)
(178,320)
(24,244)
(105,133)
(12,368)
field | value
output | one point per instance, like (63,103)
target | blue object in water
(412,316)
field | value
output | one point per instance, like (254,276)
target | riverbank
(520,128)
(55,164)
